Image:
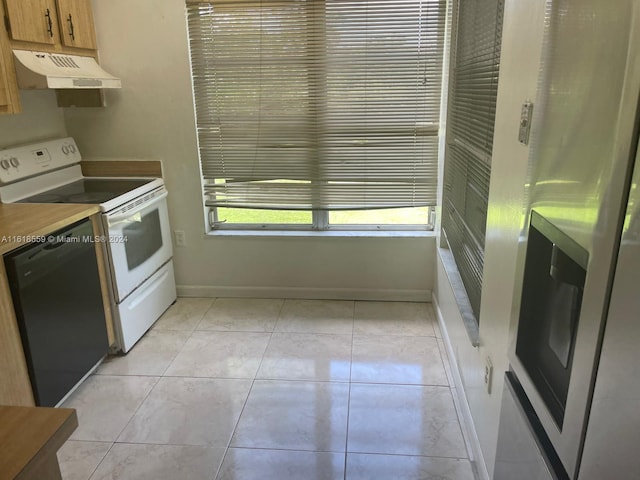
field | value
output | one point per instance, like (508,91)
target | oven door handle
(133,211)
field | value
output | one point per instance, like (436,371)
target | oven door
(139,241)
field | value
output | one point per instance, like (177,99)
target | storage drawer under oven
(139,311)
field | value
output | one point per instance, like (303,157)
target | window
(471,119)
(317,113)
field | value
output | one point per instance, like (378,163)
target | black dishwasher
(58,302)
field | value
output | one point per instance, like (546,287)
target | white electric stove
(135,219)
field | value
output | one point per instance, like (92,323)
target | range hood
(52,70)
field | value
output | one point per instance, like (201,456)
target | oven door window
(143,238)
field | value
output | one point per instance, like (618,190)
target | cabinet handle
(71,31)
(50,28)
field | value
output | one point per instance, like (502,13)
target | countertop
(30,438)
(20,222)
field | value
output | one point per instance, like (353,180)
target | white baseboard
(307,293)
(462,404)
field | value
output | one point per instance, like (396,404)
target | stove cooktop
(87,190)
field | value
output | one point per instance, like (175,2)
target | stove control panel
(18,163)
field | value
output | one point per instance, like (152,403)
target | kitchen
(151,119)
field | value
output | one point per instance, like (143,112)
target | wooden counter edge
(31,442)
(45,462)
(46,219)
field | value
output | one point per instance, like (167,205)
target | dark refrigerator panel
(555,270)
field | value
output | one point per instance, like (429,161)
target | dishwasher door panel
(58,302)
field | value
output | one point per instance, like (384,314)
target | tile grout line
(400,455)
(250,381)
(140,404)
(138,408)
(454,396)
(188,338)
(127,424)
(253,380)
(93,472)
(346,440)
(177,354)
(158,378)
(196,329)
(189,334)
(215,299)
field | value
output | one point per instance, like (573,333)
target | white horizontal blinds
(383,80)
(250,71)
(472,107)
(309,104)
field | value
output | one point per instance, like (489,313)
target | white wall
(521,51)
(41,119)
(145,43)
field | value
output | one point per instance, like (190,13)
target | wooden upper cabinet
(52,25)
(76,24)
(5,101)
(32,21)
(9,96)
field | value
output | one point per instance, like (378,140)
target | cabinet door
(32,20)
(5,103)
(8,87)
(76,24)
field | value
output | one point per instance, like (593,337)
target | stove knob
(4,163)
(14,162)
(65,150)
(72,148)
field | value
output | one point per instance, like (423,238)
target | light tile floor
(244,389)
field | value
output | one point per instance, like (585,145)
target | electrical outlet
(488,374)
(181,240)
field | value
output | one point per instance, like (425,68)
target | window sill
(460,295)
(322,234)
